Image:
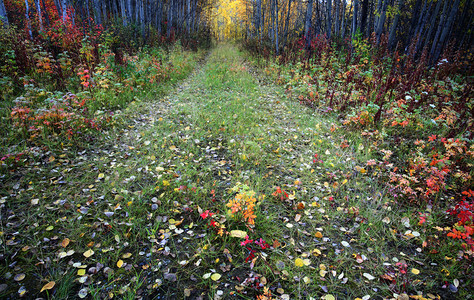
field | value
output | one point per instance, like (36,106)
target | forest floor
(223,189)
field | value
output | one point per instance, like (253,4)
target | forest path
(161,206)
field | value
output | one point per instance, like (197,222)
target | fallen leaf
(82,293)
(65,242)
(127,255)
(81,272)
(299,262)
(120,263)
(88,253)
(415,271)
(238,234)
(19,277)
(48,286)
(368,276)
(318,235)
(216,276)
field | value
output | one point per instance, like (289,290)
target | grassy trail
(145,213)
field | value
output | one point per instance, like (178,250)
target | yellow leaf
(120,263)
(415,271)
(299,262)
(216,276)
(127,255)
(81,272)
(101,175)
(238,234)
(166,183)
(318,235)
(88,253)
(48,286)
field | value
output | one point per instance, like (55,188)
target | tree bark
(393,29)
(440,27)
(446,29)
(307,23)
(287,21)
(343,18)
(336,17)
(27,16)
(38,11)
(64,10)
(275,29)
(354,17)
(363,16)
(328,23)
(381,21)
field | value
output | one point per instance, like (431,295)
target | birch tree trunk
(64,10)
(97,12)
(329,24)
(287,21)
(336,17)
(446,29)
(275,31)
(440,26)
(38,10)
(381,21)
(169,19)
(45,12)
(393,29)
(354,17)
(27,16)
(343,18)
(307,23)
(3,14)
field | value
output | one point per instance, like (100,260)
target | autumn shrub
(243,207)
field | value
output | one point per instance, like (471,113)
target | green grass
(177,156)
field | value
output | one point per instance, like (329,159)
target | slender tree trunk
(378,11)
(343,18)
(381,21)
(46,15)
(3,14)
(169,19)
(275,31)
(64,10)
(97,12)
(363,16)
(258,18)
(414,20)
(38,11)
(446,29)
(104,12)
(393,29)
(329,24)
(336,17)
(307,23)
(427,37)
(421,25)
(354,17)
(27,16)
(123,12)
(159,16)
(287,21)
(440,27)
